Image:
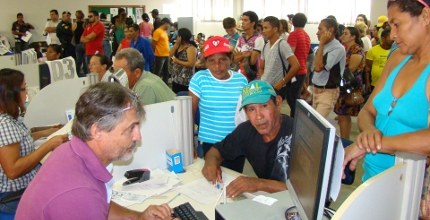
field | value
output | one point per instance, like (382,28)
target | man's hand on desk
(157,212)
(153,212)
(242,184)
(212,172)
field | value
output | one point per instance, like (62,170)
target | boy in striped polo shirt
(216,92)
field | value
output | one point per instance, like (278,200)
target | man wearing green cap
(265,140)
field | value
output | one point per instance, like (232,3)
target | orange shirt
(161,42)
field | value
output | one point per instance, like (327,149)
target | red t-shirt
(96,45)
(125,43)
(301,41)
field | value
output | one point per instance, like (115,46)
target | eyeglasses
(423,3)
(130,105)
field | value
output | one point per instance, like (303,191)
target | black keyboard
(186,212)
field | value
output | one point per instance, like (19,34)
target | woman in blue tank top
(395,118)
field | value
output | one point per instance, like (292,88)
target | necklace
(392,105)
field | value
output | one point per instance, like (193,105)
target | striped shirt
(300,40)
(14,131)
(217,104)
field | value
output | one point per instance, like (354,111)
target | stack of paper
(160,182)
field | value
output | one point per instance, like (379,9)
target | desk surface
(248,209)
(193,172)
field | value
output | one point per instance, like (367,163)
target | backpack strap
(280,56)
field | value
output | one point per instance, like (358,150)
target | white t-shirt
(52,38)
(367,43)
(273,70)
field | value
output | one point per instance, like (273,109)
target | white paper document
(64,130)
(264,200)
(204,191)
(27,36)
(201,191)
(160,182)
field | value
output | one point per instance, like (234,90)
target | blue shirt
(144,47)
(394,116)
(217,104)
(232,39)
(336,53)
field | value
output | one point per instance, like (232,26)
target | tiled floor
(345,189)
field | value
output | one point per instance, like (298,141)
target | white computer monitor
(311,161)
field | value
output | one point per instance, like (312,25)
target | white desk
(193,172)
(240,208)
(248,209)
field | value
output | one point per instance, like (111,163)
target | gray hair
(104,104)
(134,58)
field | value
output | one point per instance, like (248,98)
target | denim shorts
(9,207)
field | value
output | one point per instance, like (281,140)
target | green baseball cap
(257,92)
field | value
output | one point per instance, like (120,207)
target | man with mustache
(76,181)
(265,140)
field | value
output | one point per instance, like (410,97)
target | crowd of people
(237,83)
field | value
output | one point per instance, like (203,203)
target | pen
(217,184)
(173,198)
(224,193)
(219,197)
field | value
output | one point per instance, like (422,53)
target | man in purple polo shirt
(74,183)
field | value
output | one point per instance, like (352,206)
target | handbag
(354,97)
(348,81)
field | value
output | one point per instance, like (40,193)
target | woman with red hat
(215,91)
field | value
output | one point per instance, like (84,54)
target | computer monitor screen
(44,75)
(311,160)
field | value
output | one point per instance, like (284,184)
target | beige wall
(37,11)
(380,8)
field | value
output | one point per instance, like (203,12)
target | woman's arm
(191,58)
(174,48)
(15,166)
(370,137)
(39,132)
(414,142)
(354,62)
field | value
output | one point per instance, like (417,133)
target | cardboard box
(174,160)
